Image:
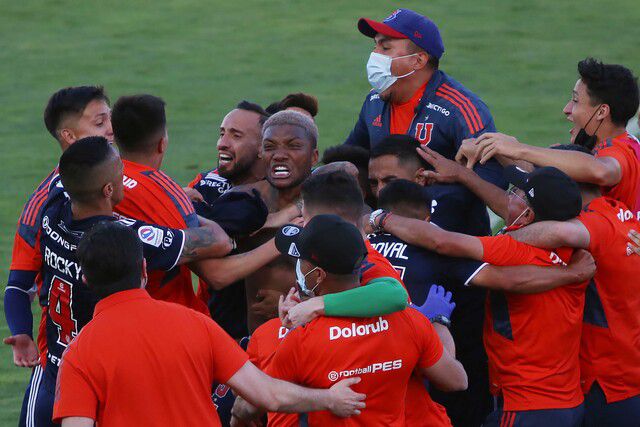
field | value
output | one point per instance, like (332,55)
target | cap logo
(293,251)
(531,193)
(417,34)
(392,16)
(290,230)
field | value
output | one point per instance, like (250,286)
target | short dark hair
(70,101)
(337,191)
(401,146)
(110,256)
(405,197)
(307,102)
(250,106)
(77,166)
(347,153)
(136,119)
(611,84)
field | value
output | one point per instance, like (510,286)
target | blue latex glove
(438,303)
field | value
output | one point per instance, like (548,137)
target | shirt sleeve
(615,152)
(360,134)
(162,246)
(26,256)
(228,357)
(195,181)
(505,250)
(75,396)
(379,297)
(600,230)
(460,271)
(253,350)
(429,343)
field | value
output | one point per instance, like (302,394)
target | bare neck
(254,174)
(410,85)
(609,130)
(82,211)
(151,160)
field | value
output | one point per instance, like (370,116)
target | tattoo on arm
(202,242)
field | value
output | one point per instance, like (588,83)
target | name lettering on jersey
(336,332)
(53,359)
(151,235)
(129,182)
(439,109)
(555,259)
(386,366)
(55,236)
(374,97)
(625,215)
(63,265)
(129,222)
(282,332)
(391,249)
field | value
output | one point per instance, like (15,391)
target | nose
(280,155)
(568,108)
(223,143)
(109,131)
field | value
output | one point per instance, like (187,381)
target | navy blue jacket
(447,114)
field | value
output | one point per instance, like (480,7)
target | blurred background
(204,57)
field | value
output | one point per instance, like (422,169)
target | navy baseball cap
(327,241)
(552,194)
(406,24)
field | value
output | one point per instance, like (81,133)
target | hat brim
(370,28)
(516,176)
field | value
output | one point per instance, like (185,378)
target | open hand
(438,303)
(305,312)
(344,402)
(491,144)
(193,194)
(267,303)
(25,352)
(285,304)
(445,170)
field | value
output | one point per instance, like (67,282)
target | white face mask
(379,71)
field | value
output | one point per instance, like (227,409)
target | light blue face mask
(301,279)
(379,71)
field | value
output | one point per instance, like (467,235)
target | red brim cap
(370,28)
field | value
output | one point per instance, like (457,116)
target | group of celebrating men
(332,289)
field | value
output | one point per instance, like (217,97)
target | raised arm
(603,171)
(554,234)
(430,236)
(221,272)
(275,395)
(528,279)
(448,171)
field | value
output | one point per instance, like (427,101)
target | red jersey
(153,197)
(533,340)
(626,150)
(26,250)
(262,346)
(383,351)
(145,362)
(610,351)
(402,115)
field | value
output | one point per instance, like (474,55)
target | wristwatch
(373,217)
(442,319)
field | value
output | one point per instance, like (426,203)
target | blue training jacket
(447,114)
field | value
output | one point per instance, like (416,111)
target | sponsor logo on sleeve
(168,239)
(151,235)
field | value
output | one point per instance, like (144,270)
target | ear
(162,144)
(419,178)
(84,280)
(143,276)
(321,275)
(603,111)
(422,58)
(67,136)
(107,190)
(315,156)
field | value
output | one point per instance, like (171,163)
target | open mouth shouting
(224,159)
(280,171)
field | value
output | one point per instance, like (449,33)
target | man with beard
(239,162)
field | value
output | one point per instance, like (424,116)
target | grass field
(203,57)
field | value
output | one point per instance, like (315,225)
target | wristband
(442,319)
(373,217)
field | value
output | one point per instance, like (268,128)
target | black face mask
(583,138)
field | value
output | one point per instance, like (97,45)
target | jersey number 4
(60,310)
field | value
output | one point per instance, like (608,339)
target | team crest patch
(393,15)
(150,235)
(290,230)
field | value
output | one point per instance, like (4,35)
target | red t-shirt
(622,149)
(382,351)
(262,346)
(145,362)
(402,114)
(376,266)
(152,196)
(610,351)
(533,340)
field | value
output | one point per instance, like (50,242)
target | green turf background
(202,57)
